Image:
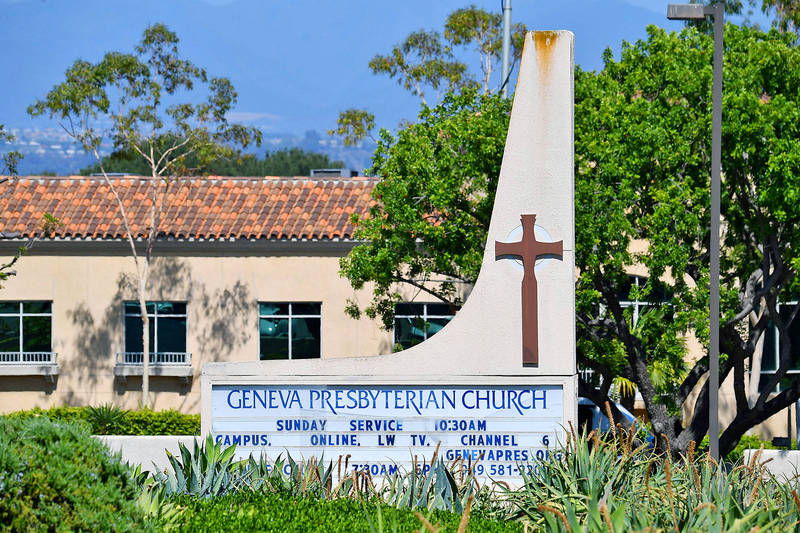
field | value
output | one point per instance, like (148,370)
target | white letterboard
(495,429)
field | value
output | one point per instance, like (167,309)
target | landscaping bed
(54,476)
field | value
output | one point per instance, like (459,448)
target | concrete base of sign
(783,464)
(147,450)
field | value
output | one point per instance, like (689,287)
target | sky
(295,64)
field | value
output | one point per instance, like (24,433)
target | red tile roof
(200,208)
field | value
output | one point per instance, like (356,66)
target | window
(635,308)
(289,330)
(167,328)
(771,356)
(415,322)
(658,294)
(25,331)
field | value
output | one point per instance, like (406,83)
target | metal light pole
(506,68)
(699,12)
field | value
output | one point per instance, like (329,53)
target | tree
(447,164)
(483,30)
(140,95)
(286,162)
(642,148)
(424,63)
(47,225)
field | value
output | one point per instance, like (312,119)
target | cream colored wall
(222,319)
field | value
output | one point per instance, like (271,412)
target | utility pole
(506,72)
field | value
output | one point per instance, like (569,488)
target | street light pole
(506,67)
(695,12)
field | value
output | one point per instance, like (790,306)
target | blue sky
(295,63)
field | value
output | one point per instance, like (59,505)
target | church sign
(496,388)
(494,428)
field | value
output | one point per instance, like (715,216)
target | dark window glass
(274,338)
(306,309)
(167,333)
(273,309)
(171,334)
(624,290)
(9,307)
(305,338)
(410,326)
(794,334)
(9,333)
(409,331)
(285,332)
(435,325)
(409,309)
(36,334)
(37,307)
(441,309)
(660,292)
(769,357)
(133,334)
(171,308)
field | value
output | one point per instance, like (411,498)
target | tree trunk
(145,349)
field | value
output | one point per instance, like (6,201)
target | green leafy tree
(146,98)
(642,131)
(287,162)
(642,162)
(437,185)
(425,63)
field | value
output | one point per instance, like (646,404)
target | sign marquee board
(497,428)
(498,384)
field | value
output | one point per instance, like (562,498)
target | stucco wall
(222,293)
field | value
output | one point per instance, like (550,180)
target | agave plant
(432,488)
(106,417)
(206,471)
(606,484)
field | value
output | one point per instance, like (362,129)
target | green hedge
(260,511)
(55,477)
(107,420)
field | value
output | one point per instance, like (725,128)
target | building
(245,268)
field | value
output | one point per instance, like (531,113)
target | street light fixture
(700,12)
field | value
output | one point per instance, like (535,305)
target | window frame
(154,322)
(772,329)
(425,316)
(21,314)
(289,316)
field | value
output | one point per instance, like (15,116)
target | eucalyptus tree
(426,62)
(157,105)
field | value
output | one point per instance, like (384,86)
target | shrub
(109,420)
(55,477)
(607,484)
(169,422)
(279,512)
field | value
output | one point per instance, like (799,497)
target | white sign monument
(498,385)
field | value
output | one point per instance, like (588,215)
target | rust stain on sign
(545,44)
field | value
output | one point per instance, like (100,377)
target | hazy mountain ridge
(52,150)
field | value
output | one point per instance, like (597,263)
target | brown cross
(528,250)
